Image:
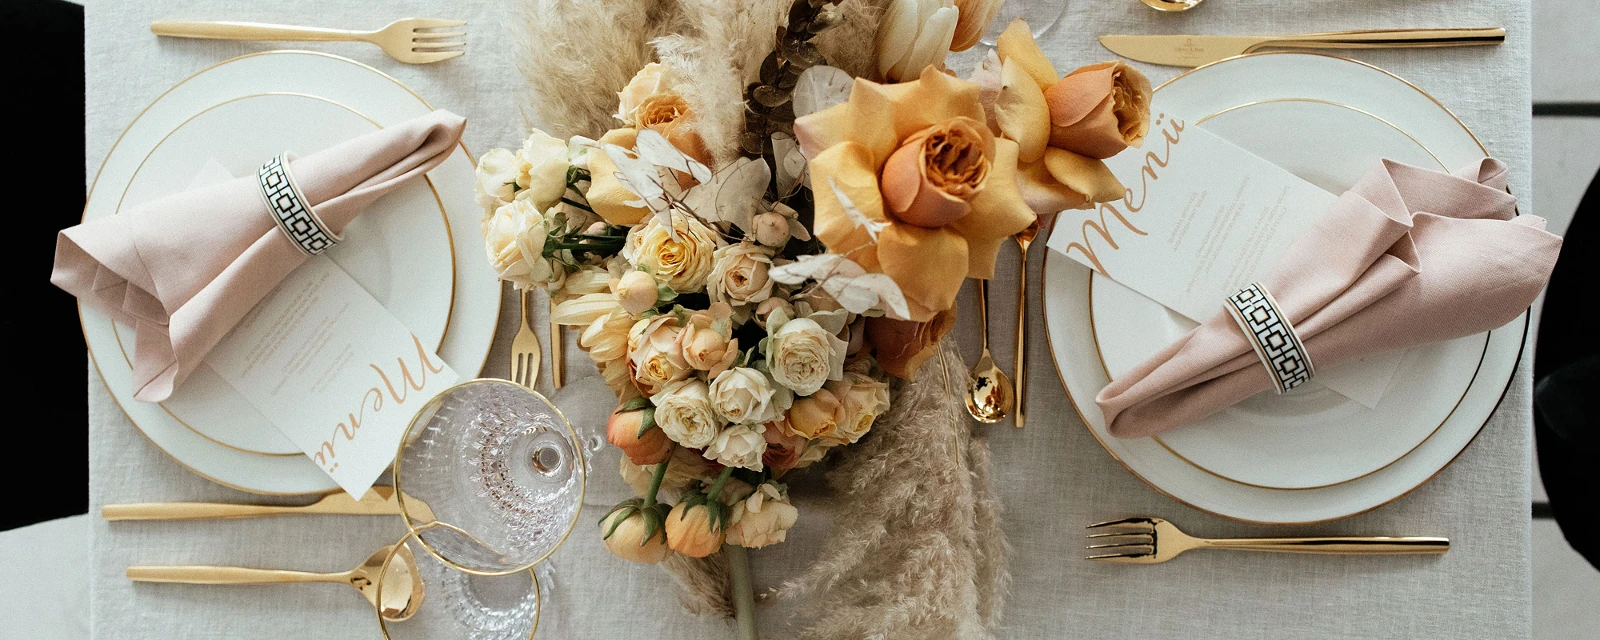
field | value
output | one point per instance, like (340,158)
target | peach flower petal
(1087,176)
(901,346)
(998,212)
(1082,112)
(1043,193)
(928,264)
(849,166)
(1017,43)
(1021,112)
(606,194)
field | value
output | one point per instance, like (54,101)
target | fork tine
(1117,534)
(437,34)
(427,57)
(1120,545)
(1109,523)
(435,23)
(1116,556)
(425,46)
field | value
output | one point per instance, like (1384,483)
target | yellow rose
(684,263)
(863,399)
(653,353)
(652,79)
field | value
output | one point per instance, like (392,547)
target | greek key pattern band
(1272,337)
(290,210)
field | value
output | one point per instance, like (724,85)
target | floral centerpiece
(751,298)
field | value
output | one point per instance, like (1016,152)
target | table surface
(1053,476)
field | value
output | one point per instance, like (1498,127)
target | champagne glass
(502,471)
(1040,14)
(457,604)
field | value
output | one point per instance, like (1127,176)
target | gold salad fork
(1154,540)
(412,40)
(525,352)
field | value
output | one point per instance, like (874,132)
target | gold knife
(1193,51)
(379,501)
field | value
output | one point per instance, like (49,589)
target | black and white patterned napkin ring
(1275,341)
(290,209)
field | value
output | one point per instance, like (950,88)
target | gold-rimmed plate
(1333,84)
(355,94)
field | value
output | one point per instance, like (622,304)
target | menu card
(1202,219)
(332,369)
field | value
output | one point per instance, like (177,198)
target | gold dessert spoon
(1172,5)
(398,604)
(989,393)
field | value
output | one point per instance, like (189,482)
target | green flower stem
(716,488)
(744,596)
(577,204)
(655,481)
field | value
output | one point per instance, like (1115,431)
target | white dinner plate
(1309,456)
(1311,436)
(417,250)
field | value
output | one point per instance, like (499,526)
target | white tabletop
(1053,476)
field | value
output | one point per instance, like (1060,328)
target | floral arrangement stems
(744,597)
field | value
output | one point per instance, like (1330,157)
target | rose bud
(634,432)
(817,415)
(636,533)
(770,305)
(770,228)
(636,291)
(1099,110)
(695,527)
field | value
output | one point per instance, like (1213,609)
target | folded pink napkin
(1406,256)
(184,269)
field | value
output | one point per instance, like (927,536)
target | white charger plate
(342,95)
(1311,436)
(1292,93)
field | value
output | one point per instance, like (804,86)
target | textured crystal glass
(460,605)
(502,471)
(1040,14)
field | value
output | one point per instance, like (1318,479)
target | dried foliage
(717,56)
(705,584)
(916,550)
(852,45)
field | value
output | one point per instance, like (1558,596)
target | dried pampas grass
(916,550)
(852,45)
(572,80)
(717,57)
(705,585)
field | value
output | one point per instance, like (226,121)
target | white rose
(803,355)
(864,399)
(743,395)
(740,275)
(543,175)
(497,177)
(514,238)
(683,263)
(740,445)
(762,519)
(654,356)
(683,410)
(652,79)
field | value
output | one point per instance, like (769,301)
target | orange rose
(901,346)
(1099,110)
(669,114)
(650,447)
(946,203)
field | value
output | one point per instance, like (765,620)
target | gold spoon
(1019,368)
(989,393)
(1173,5)
(399,604)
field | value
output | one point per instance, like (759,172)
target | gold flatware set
(1150,540)
(400,602)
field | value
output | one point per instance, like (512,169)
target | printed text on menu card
(1203,218)
(333,369)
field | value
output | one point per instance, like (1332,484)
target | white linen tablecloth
(1053,476)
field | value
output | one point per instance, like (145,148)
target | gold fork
(525,352)
(411,40)
(1154,540)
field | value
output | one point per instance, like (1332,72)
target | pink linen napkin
(184,269)
(1406,256)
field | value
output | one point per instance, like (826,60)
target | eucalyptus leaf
(820,87)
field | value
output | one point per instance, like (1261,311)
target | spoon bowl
(1172,5)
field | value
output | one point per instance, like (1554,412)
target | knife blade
(380,500)
(1196,50)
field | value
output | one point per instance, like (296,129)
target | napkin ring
(290,209)
(1275,341)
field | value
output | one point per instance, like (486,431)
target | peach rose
(817,415)
(694,530)
(934,175)
(965,178)
(707,341)
(669,114)
(650,447)
(1099,110)
(784,447)
(901,346)
(654,356)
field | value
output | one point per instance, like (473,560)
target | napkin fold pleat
(1406,256)
(184,269)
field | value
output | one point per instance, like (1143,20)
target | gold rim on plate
(443,216)
(1049,340)
(93,360)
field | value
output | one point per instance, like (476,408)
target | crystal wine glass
(457,604)
(502,471)
(1040,14)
